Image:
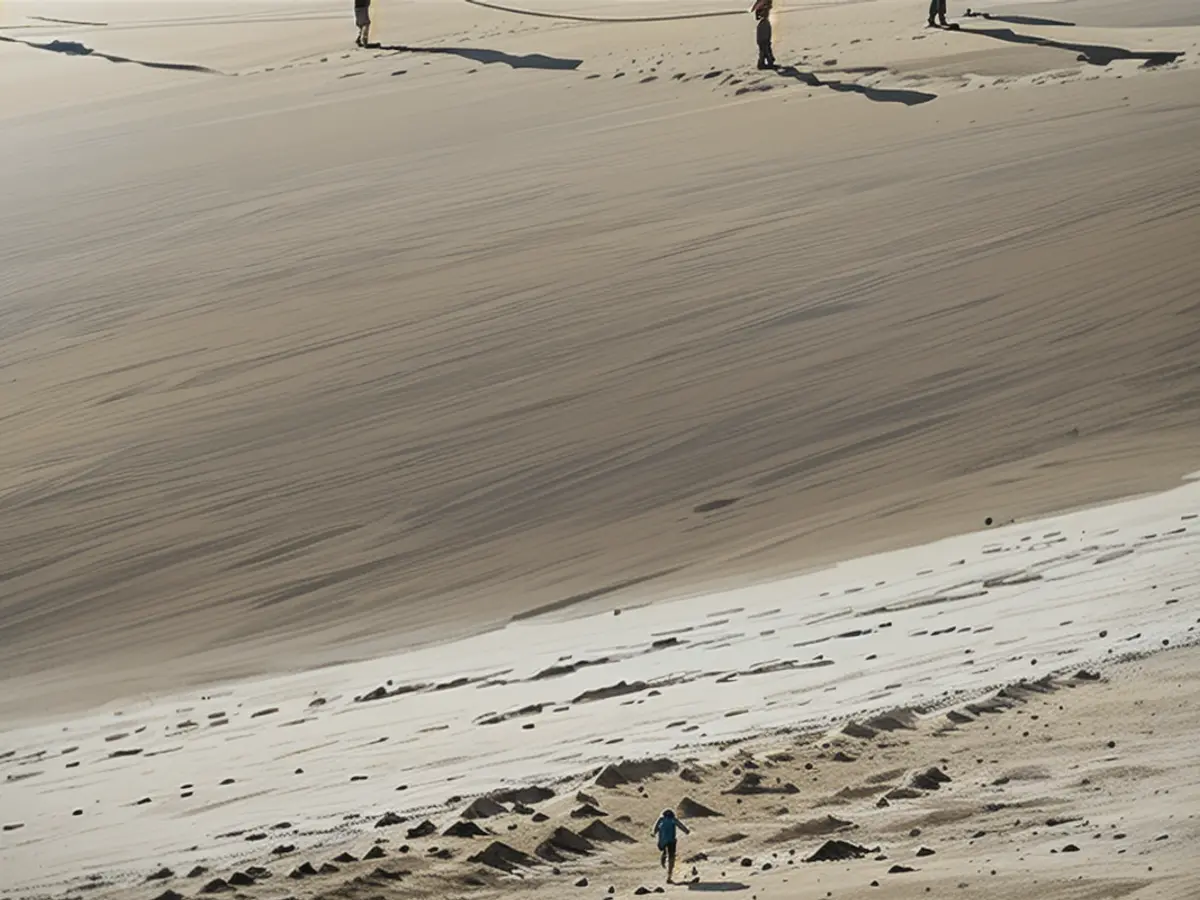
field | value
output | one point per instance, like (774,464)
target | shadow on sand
(1018,20)
(718,887)
(878,95)
(1094,54)
(486,57)
(74,48)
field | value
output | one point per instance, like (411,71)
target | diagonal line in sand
(69,21)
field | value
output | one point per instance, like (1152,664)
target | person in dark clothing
(362,18)
(937,9)
(664,830)
(762,12)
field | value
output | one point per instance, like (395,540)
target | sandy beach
(1045,670)
(384,428)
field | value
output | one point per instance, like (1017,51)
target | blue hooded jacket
(665,828)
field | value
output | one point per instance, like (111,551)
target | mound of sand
(620,689)
(605,834)
(635,771)
(464,829)
(858,730)
(902,719)
(811,828)
(837,850)
(587,811)
(525,796)
(498,855)
(425,829)
(483,808)
(563,843)
(754,783)
(930,780)
(691,809)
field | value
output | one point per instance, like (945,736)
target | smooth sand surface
(310,354)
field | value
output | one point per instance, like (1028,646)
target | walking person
(362,18)
(664,830)
(937,9)
(762,12)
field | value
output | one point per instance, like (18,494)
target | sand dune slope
(357,349)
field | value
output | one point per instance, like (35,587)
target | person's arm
(686,830)
(657,826)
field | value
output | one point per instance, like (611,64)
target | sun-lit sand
(383,428)
(231,778)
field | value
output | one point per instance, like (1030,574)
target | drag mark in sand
(69,22)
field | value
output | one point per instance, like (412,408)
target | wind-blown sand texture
(310,355)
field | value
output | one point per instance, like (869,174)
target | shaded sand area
(268,775)
(312,353)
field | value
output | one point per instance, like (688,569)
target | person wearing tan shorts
(362,18)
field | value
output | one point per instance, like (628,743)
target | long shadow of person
(1018,20)
(1095,54)
(486,57)
(877,95)
(74,48)
(717,887)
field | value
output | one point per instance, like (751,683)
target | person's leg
(362,18)
(662,861)
(942,13)
(671,861)
(933,10)
(763,35)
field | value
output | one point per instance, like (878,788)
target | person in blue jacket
(664,830)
